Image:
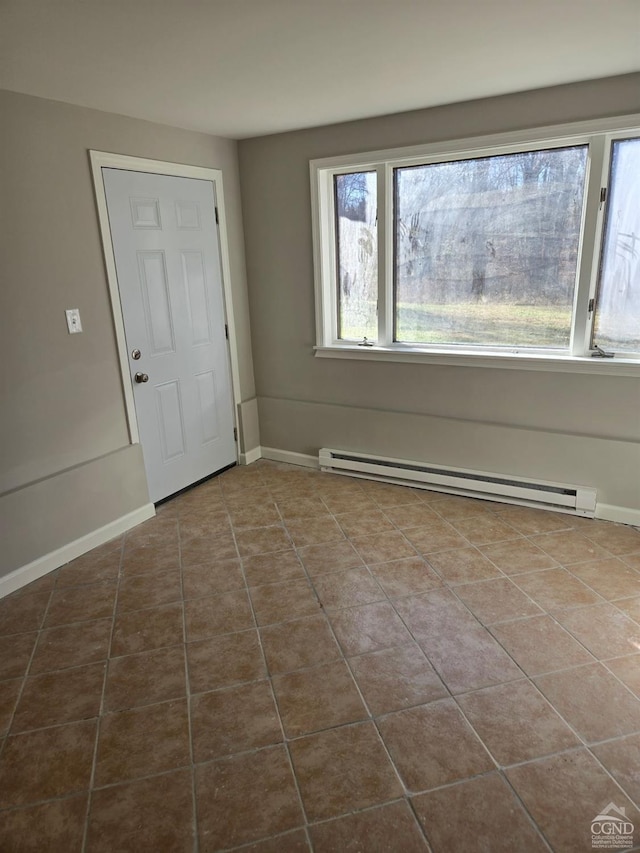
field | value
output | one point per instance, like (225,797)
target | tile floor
(284,660)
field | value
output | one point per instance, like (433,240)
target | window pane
(357,255)
(486,249)
(617,320)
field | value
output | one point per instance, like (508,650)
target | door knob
(141,377)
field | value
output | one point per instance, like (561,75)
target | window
(357,255)
(525,251)
(617,311)
(487,249)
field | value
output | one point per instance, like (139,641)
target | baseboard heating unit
(577,500)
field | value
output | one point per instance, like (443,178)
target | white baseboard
(36,569)
(250,456)
(289,456)
(621,514)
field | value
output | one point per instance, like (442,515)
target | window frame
(597,135)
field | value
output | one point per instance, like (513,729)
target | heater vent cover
(561,497)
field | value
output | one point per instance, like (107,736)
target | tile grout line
(187,684)
(580,747)
(455,696)
(254,750)
(534,824)
(285,739)
(25,675)
(101,710)
(423,830)
(280,836)
(345,660)
(634,801)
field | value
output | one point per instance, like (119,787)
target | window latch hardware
(365,342)
(600,353)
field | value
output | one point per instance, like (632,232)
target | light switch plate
(73,320)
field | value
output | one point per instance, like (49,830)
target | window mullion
(385,256)
(324,237)
(590,242)
(331,321)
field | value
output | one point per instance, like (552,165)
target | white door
(165,242)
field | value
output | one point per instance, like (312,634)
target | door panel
(170,420)
(188,214)
(166,249)
(155,301)
(145,213)
(196,285)
(208,407)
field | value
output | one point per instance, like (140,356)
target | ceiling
(243,68)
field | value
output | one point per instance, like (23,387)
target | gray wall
(61,396)
(565,427)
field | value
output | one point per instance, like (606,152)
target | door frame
(103,159)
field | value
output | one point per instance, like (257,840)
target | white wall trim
(289,456)
(250,456)
(36,569)
(621,514)
(104,160)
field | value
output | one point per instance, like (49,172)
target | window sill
(504,361)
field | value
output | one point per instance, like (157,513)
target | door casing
(102,159)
